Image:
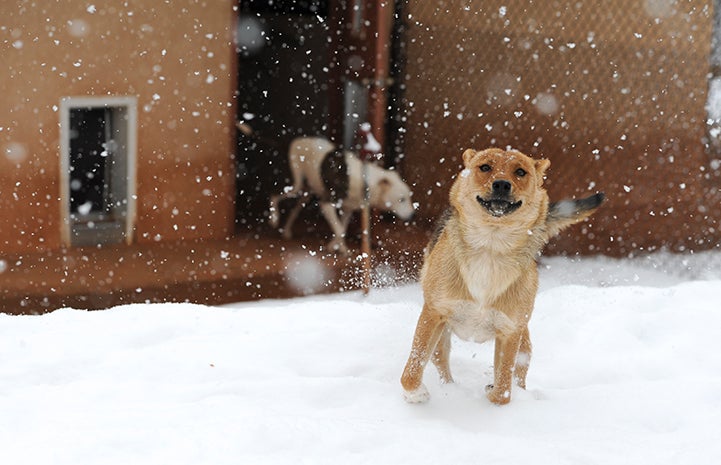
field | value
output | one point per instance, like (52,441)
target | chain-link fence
(613,92)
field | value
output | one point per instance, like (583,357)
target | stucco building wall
(176,58)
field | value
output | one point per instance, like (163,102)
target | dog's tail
(244,128)
(564,213)
(250,133)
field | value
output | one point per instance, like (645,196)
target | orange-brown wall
(177,58)
(612,92)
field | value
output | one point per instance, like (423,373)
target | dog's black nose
(501,187)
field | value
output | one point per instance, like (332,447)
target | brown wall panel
(613,93)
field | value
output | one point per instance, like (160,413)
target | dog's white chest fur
(472,322)
(486,277)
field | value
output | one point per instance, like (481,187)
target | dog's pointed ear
(541,167)
(468,156)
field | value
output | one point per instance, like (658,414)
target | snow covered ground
(626,370)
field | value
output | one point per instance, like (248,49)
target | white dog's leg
(274,209)
(331,216)
(288,228)
(345,217)
(296,172)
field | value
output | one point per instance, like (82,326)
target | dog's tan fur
(479,277)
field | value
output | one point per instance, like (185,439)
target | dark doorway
(90,150)
(311,68)
(98,154)
(282,93)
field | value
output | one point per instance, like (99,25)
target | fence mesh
(613,92)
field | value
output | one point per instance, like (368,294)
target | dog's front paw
(419,395)
(498,396)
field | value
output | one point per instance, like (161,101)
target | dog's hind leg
(294,191)
(428,332)
(287,229)
(441,356)
(296,172)
(331,216)
(274,208)
(274,214)
(523,359)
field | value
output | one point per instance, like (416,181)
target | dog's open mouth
(498,207)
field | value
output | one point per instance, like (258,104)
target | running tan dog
(479,277)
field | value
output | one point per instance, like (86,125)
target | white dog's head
(392,194)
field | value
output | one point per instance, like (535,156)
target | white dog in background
(335,176)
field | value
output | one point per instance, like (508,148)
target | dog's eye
(520,172)
(485,167)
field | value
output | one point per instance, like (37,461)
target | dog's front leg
(331,216)
(506,350)
(428,332)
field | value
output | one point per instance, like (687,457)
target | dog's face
(394,195)
(504,186)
